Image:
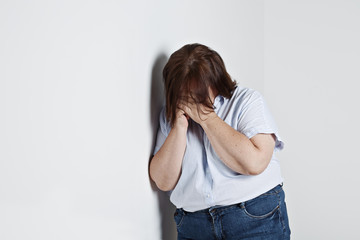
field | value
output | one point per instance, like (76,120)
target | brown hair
(194,67)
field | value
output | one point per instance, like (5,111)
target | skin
(241,154)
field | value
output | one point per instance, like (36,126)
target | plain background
(80,89)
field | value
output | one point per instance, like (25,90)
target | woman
(214,153)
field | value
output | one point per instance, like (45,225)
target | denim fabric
(264,217)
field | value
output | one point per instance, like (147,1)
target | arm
(165,166)
(241,154)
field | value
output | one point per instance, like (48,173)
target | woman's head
(190,72)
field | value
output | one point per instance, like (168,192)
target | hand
(181,119)
(197,112)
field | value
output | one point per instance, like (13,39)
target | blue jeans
(264,217)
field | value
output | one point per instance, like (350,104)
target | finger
(179,109)
(179,112)
(186,104)
(181,106)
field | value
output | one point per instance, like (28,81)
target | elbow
(257,168)
(255,171)
(164,187)
(161,178)
(161,184)
(249,170)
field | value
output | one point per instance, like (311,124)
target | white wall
(80,90)
(312,60)
(79,93)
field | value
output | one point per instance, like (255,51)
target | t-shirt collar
(218,101)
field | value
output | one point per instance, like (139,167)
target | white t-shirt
(205,180)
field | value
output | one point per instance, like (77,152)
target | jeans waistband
(276,189)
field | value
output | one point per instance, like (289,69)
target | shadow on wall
(166,208)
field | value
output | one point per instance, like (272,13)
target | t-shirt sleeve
(163,131)
(255,117)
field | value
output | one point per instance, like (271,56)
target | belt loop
(183,211)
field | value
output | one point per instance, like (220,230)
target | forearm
(233,147)
(165,166)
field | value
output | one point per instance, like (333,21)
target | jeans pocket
(178,217)
(262,206)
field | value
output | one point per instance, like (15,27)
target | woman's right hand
(181,119)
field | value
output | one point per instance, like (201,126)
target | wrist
(210,118)
(180,127)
